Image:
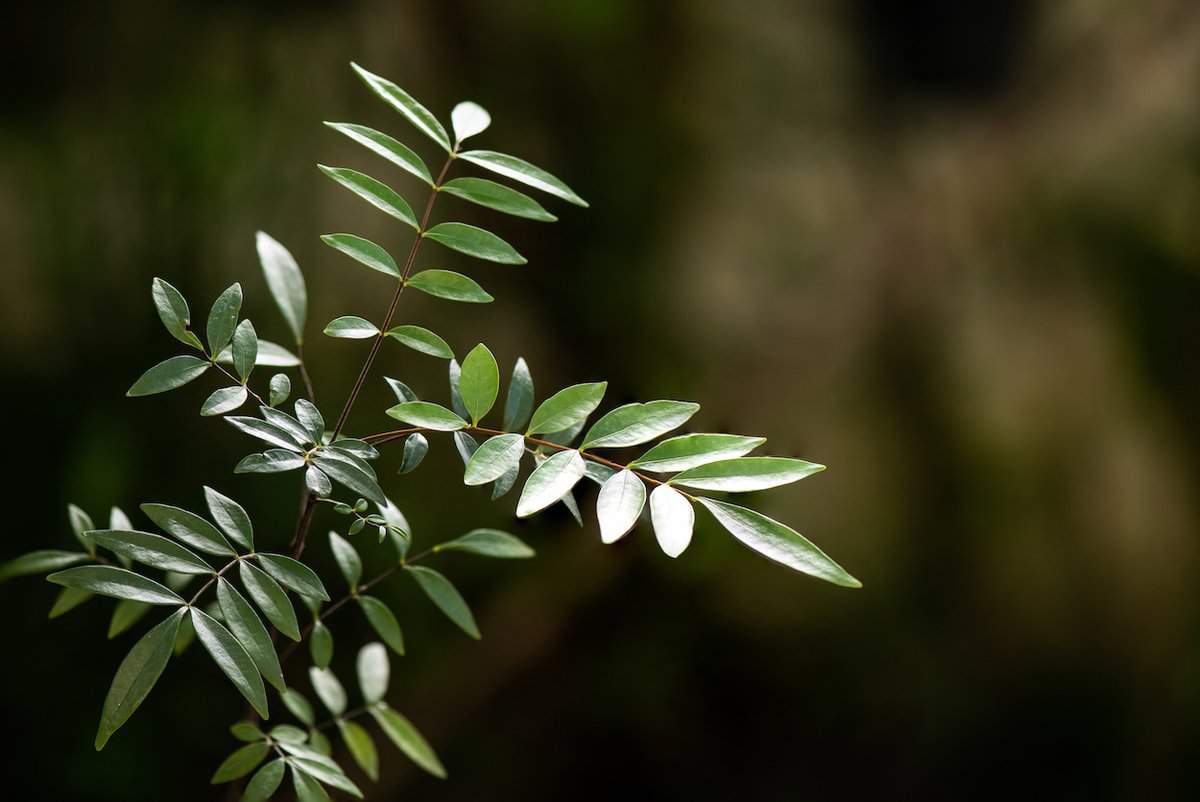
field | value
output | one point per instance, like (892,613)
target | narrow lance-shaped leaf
(107,580)
(521,170)
(518,405)
(38,562)
(383,621)
(619,504)
(363,251)
(422,341)
(745,474)
(250,633)
(241,762)
(475,241)
(231,517)
(691,450)
(136,676)
(406,738)
(351,476)
(427,415)
(778,542)
(307,789)
(673,519)
(245,349)
(499,197)
(389,148)
(494,458)
(223,318)
(270,598)
(351,327)
(155,551)
(361,747)
(479,382)
(488,543)
(446,597)
(232,659)
(189,528)
(450,286)
(298,706)
(125,615)
(320,644)
(633,424)
(265,782)
(81,524)
(267,432)
(67,600)
(293,574)
(285,281)
(275,460)
(173,311)
(376,193)
(567,407)
(406,104)
(347,559)
(549,482)
(168,375)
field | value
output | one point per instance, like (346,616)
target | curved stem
(211,580)
(224,370)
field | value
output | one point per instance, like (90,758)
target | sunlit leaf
(270,598)
(173,311)
(619,504)
(329,690)
(364,251)
(232,659)
(494,458)
(231,517)
(404,103)
(294,575)
(468,119)
(497,196)
(361,747)
(633,424)
(474,241)
(691,450)
(521,170)
(351,327)
(479,382)
(518,405)
(450,286)
(298,706)
(376,193)
(241,762)
(155,551)
(280,388)
(275,460)
(224,399)
(389,148)
(549,482)
(285,281)
(268,433)
(347,559)
(427,415)
(673,519)
(189,528)
(373,672)
(422,340)
(350,475)
(745,474)
(245,349)
(567,407)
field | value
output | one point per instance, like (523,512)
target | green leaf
(447,598)
(450,286)
(231,517)
(136,675)
(67,600)
(155,551)
(185,636)
(745,474)
(406,738)
(36,562)
(521,170)
(125,615)
(598,473)
(567,407)
(106,580)
(404,103)
(488,543)
(383,145)
(329,690)
(376,193)
(270,355)
(422,340)
(633,424)
(245,349)
(285,281)
(364,251)
(289,733)
(468,119)
(466,445)
(81,524)
(692,450)
(225,399)
(275,460)
(351,327)
(519,403)
(281,388)
(320,645)
(300,433)
(347,559)
(373,672)
(223,318)
(454,372)
(403,391)
(383,622)
(778,542)
(550,481)
(505,483)
(415,449)
(427,415)
(673,519)
(349,475)
(475,241)
(479,382)
(265,782)
(619,504)
(189,528)
(232,659)
(168,375)
(241,762)
(294,575)
(359,448)
(494,458)
(361,747)
(499,197)
(322,772)
(270,598)
(307,789)
(298,706)
(317,481)
(267,432)
(250,633)
(246,732)
(173,311)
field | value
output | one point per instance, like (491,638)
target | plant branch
(211,580)
(224,370)
(308,385)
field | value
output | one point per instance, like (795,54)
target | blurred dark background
(948,249)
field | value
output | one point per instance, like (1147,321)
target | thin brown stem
(257,397)
(211,580)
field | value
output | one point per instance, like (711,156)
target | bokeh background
(948,249)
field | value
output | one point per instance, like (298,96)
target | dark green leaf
(275,460)
(155,551)
(692,450)
(231,517)
(745,474)
(519,403)
(360,746)
(350,475)
(454,371)
(496,457)
(67,600)
(173,311)
(422,340)
(225,399)
(298,431)
(286,282)
(223,318)
(314,423)
(447,598)
(106,580)
(250,633)
(777,542)
(281,388)
(449,285)
(383,622)
(347,559)
(267,432)
(81,524)
(488,543)
(404,103)
(125,615)
(320,645)
(294,575)
(317,481)
(364,251)
(499,197)
(136,675)
(427,415)
(232,659)
(299,706)
(406,738)
(241,762)
(168,375)
(633,424)
(567,407)
(505,483)
(475,241)
(403,391)
(189,528)
(351,327)
(36,562)
(245,349)
(389,148)
(549,482)
(415,448)
(265,782)
(376,193)
(185,636)
(521,170)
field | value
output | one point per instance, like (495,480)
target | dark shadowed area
(948,249)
